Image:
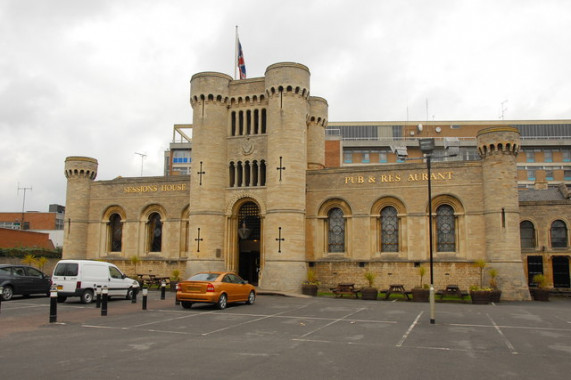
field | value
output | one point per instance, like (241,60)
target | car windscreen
(204,277)
(66,269)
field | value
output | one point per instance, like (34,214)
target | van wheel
(87,296)
(129,294)
(61,299)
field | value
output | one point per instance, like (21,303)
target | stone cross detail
(280,239)
(198,240)
(280,168)
(200,173)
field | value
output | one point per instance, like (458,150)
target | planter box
(495,296)
(420,295)
(369,293)
(309,290)
(540,294)
(480,297)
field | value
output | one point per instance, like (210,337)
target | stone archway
(249,234)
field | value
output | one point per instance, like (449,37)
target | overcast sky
(106,79)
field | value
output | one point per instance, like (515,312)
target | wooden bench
(397,289)
(453,291)
(342,289)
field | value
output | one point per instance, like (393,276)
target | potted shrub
(496,293)
(479,294)
(174,279)
(421,293)
(540,293)
(369,292)
(309,286)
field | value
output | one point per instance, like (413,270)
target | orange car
(220,288)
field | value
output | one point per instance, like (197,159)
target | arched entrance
(249,242)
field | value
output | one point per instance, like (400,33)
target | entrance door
(561,272)
(534,266)
(249,242)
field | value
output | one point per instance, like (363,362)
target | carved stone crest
(247,147)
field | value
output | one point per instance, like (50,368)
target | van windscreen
(66,269)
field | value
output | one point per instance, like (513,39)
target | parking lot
(285,337)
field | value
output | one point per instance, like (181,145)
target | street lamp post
(426,147)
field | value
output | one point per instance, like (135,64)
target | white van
(80,278)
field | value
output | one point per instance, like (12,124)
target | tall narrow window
(248,122)
(558,234)
(527,234)
(446,229)
(263,173)
(256,122)
(263,120)
(247,172)
(155,232)
(389,230)
(336,235)
(241,122)
(233,123)
(232,174)
(255,173)
(239,174)
(115,233)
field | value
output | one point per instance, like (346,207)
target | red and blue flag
(241,62)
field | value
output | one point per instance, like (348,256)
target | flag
(241,62)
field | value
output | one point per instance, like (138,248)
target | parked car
(23,280)
(219,288)
(81,278)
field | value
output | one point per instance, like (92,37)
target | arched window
(389,230)
(445,229)
(336,235)
(558,234)
(527,234)
(115,233)
(155,232)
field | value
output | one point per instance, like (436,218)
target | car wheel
(222,301)
(7,293)
(129,294)
(186,304)
(87,296)
(61,299)
(251,298)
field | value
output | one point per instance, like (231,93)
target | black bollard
(134,296)
(176,300)
(98,297)
(105,293)
(163,289)
(145,291)
(53,305)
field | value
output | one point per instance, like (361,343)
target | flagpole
(236,53)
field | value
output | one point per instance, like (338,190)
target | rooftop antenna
(503,109)
(24,189)
(142,159)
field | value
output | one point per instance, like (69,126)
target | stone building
(261,201)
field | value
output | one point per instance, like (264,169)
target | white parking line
(400,343)
(506,341)
(333,321)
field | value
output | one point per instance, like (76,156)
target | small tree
(370,277)
(481,264)
(42,262)
(421,273)
(493,274)
(135,260)
(30,259)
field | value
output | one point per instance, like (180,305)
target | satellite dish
(438,129)
(419,127)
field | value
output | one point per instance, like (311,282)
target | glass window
(348,157)
(567,175)
(558,234)
(366,157)
(115,228)
(548,156)
(446,229)
(66,269)
(33,272)
(531,174)
(155,232)
(530,156)
(389,230)
(566,155)
(336,235)
(527,234)
(549,174)
(382,156)
(115,273)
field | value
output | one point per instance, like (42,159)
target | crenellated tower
(80,173)
(316,124)
(209,100)
(498,147)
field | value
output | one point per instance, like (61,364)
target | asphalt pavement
(285,338)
